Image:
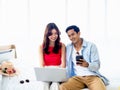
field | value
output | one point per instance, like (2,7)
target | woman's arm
(63,56)
(41,56)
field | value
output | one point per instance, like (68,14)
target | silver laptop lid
(50,74)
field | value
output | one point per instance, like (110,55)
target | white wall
(22,22)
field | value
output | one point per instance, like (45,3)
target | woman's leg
(54,86)
(46,85)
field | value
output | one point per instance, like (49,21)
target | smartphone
(79,57)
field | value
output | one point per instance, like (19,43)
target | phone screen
(79,57)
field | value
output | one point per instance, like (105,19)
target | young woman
(52,51)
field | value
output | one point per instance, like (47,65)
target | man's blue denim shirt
(90,54)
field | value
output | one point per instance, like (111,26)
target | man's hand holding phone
(80,61)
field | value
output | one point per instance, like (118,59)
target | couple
(82,72)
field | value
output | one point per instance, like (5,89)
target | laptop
(50,74)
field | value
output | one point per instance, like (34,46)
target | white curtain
(22,22)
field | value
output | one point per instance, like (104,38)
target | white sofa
(13,83)
(27,72)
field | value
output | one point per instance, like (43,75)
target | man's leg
(95,83)
(73,83)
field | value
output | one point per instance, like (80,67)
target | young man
(82,64)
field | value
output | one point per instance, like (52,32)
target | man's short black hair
(74,27)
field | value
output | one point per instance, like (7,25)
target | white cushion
(6,55)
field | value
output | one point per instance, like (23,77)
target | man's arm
(94,65)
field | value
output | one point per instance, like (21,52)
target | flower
(7,68)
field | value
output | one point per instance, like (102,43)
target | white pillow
(6,55)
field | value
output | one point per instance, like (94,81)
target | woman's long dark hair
(46,42)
